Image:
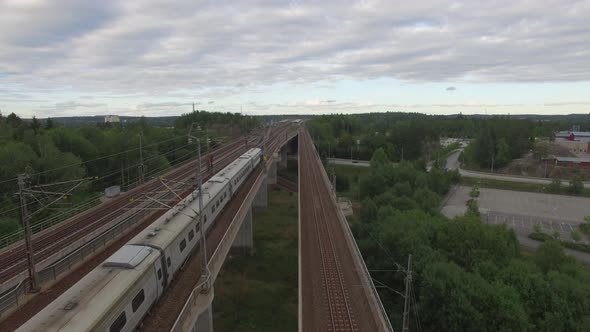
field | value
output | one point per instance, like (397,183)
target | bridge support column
(261,200)
(244,242)
(272,173)
(283,162)
(205,320)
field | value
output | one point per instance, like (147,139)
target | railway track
(339,315)
(47,243)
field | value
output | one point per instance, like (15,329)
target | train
(116,295)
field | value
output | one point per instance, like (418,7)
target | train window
(191,235)
(138,300)
(168,261)
(119,323)
(159,274)
(182,245)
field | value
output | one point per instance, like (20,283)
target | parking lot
(522,211)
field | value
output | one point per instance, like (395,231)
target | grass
(517,186)
(260,293)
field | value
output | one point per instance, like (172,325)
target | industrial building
(574,141)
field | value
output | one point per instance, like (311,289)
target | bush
(576,235)
(576,185)
(570,245)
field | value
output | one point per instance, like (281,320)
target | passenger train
(116,295)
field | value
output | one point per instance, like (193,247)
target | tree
(379,158)
(576,185)
(368,211)
(49,123)
(503,156)
(35,125)
(537,228)
(556,234)
(474,193)
(576,236)
(13,120)
(550,256)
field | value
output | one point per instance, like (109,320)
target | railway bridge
(335,289)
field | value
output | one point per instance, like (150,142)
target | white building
(111,119)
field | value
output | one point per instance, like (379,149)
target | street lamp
(204,266)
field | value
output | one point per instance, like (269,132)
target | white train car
(115,296)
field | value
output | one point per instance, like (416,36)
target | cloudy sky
(147,57)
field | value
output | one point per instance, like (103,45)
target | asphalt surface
(348,162)
(453,164)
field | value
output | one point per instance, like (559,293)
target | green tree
(576,185)
(550,256)
(379,158)
(576,236)
(503,156)
(537,228)
(368,210)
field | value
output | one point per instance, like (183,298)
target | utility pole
(26,223)
(406,320)
(140,168)
(204,265)
(203,241)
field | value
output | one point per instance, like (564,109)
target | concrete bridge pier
(261,199)
(205,321)
(244,242)
(272,173)
(283,160)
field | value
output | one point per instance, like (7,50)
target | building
(570,162)
(112,119)
(574,141)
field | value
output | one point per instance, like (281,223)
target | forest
(413,136)
(466,275)
(104,154)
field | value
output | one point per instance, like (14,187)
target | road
(453,164)
(348,162)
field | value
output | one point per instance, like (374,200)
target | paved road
(453,163)
(348,162)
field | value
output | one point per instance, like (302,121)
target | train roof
(80,307)
(165,229)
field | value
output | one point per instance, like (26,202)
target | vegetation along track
(13,261)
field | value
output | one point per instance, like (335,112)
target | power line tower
(26,190)
(406,320)
(141,167)
(24,181)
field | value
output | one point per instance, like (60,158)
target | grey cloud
(451,88)
(71,105)
(155,48)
